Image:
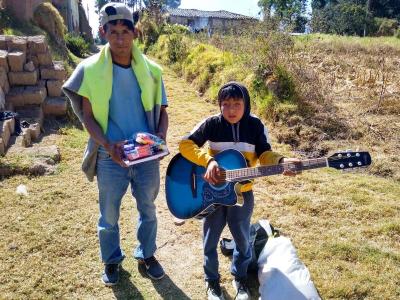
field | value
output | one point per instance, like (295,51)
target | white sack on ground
(281,274)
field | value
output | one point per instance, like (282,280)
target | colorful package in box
(143,145)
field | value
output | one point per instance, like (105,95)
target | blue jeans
(238,219)
(113,181)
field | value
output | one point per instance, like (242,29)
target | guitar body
(189,195)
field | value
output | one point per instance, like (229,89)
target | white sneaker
(214,291)
(178,222)
(242,291)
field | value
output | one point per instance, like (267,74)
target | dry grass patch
(50,249)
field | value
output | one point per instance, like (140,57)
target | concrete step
(55,106)
(28,95)
(56,72)
(23,78)
(6,131)
(32,116)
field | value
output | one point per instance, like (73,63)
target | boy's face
(232,109)
(120,38)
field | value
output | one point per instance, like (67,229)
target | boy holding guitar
(233,128)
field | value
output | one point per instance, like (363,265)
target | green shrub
(150,31)
(77,44)
(386,27)
(397,33)
(175,29)
(47,17)
(5,20)
(286,86)
(203,63)
(10,25)
(177,48)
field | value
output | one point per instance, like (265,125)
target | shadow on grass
(125,289)
(165,287)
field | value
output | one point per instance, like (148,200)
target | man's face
(232,109)
(120,38)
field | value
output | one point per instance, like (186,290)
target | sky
(244,7)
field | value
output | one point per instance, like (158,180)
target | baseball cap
(115,11)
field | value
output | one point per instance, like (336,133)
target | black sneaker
(214,291)
(152,267)
(242,291)
(110,275)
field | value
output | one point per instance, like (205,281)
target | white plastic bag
(281,274)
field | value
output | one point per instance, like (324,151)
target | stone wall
(30,85)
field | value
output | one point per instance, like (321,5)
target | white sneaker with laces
(242,291)
(214,291)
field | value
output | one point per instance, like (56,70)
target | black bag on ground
(258,239)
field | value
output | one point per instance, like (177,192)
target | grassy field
(345,226)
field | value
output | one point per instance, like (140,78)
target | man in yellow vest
(117,93)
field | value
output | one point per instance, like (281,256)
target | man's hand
(162,135)
(295,162)
(116,151)
(213,173)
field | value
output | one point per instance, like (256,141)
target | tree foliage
(138,4)
(289,12)
(355,17)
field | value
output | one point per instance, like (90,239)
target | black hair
(124,22)
(230,91)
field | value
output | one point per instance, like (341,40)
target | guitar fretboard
(251,173)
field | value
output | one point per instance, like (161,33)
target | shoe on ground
(241,289)
(178,222)
(214,291)
(152,267)
(110,275)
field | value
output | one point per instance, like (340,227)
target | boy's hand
(295,162)
(116,152)
(213,173)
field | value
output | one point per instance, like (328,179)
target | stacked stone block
(30,84)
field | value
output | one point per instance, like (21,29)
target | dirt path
(179,247)
(49,247)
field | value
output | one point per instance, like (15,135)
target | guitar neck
(251,173)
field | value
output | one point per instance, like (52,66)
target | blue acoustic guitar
(189,195)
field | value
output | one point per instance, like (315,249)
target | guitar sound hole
(219,184)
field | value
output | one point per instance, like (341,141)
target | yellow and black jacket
(249,136)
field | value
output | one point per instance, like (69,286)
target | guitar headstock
(349,159)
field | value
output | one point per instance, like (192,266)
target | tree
(361,17)
(289,12)
(139,4)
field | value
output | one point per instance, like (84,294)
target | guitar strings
(252,171)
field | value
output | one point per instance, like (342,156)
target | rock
(31,113)
(56,106)
(54,88)
(23,78)
(4,41)
(2,147)
(4,60)
(16,61)
(45,59)
(21,96)
(5,85)
(17,43)
(37,44)
(2,99)
(29,66)
(57,72)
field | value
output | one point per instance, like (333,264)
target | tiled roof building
(210,21)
